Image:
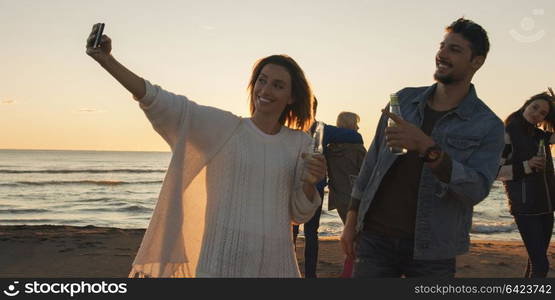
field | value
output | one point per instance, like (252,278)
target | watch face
(434,154)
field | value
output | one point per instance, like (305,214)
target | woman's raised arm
(101,54)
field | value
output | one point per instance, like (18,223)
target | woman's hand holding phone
(99,45)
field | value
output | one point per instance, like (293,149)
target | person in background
(411,214)
(344,161)
(528,177)
(349,120)
(332,134)
(234,185)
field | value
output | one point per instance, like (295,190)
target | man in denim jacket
(411,214)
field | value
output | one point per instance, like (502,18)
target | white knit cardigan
(229,196)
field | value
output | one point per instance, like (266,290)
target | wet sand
(68,251)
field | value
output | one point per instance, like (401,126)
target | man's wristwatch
(432,154)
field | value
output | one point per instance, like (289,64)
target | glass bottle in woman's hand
(315,154)
(541,157)
(537,162)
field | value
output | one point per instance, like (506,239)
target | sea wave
(130,208)
(23,211)
(491,228)
(39,221)
(101,200)
(79,182)
(71,171)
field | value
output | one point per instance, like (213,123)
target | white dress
(229,197)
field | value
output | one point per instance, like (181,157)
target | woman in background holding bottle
(528,176)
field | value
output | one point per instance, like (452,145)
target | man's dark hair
(473,33)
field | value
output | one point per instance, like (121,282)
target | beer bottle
(317,138)
(395,108)
(316,148)
(541,151)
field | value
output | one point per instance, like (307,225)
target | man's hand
(349,234)
(405,135)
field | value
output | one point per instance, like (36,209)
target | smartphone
(98,28)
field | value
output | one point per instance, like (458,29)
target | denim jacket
(473,137)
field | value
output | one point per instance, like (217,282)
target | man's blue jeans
(379,256)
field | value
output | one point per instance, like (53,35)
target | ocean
(120,189)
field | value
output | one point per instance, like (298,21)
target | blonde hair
(347,120)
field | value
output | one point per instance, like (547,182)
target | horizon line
(96,150)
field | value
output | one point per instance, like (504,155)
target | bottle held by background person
(541,152)
(395,108)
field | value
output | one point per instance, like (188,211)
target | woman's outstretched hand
(102,52)
(132,82)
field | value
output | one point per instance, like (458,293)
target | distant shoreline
(77,150)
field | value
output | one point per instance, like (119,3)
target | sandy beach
(67,251)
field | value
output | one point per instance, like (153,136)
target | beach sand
(68,251)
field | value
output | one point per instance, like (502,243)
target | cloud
(7,101)
(88,110)
(208,27)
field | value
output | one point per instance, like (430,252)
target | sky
(354,53)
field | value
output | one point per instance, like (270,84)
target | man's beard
(445,79)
